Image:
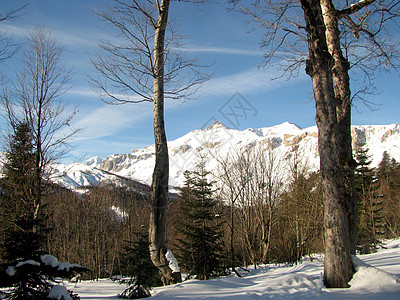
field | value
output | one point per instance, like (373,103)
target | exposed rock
(390,132)
(216,142)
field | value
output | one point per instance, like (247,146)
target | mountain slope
(215,142)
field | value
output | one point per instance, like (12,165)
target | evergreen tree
(388,183)
(201,244)
(368,202)
(144,275)
(386,166)
(25,267)
(17,183)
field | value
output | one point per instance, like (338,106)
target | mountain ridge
(217,141)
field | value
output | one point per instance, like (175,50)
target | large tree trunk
(338,265)
(266,237)
(342,91)
(159,187)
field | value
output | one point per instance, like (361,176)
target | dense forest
(264,223)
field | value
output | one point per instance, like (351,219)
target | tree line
(254,219)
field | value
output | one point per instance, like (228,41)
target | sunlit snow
(377,278)
(216,142)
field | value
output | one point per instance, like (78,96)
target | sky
(241,93)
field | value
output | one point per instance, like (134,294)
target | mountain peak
(215,125)
(94,161)
(221,142)
(288,125)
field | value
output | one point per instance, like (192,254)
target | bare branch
(7,47)
(285,40)
(125,70)
(366,28)
(35,95)
(354,8)
(11,14)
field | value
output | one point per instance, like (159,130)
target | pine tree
(144,275)
(368,202)
(17,183)
(384,166)
(387,175)
(200,248)
(26,268)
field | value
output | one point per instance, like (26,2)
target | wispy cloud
(17,31)
(83,92)
(221,50)
(108,120)
(88,92)
(83,39)
(251,81)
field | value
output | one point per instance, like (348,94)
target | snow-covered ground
(377,278)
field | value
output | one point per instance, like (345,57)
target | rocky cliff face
(217,141)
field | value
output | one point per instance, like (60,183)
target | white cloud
(250,81)
(85,38)
(88,92)
(108,120)
(15,30)
(83,91)
(221,50)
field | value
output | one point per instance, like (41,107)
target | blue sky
(215,35)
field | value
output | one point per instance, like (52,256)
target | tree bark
(342,91)
(338,265)
(159,187)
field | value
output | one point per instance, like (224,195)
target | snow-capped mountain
(215,142)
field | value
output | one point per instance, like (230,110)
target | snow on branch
(351,9)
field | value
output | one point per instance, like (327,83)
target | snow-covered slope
(377,277)
(216,142)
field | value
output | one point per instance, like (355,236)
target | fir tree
(144,275)
(18,183)
(386,166)
(26,268)
(200,247)
(367,200)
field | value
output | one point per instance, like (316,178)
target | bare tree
(229,192)
(34,98)
(302,203)
(368,50)
(382,12)
(357,38)
(338,264)
(145,66)
(270,184)
(251,184)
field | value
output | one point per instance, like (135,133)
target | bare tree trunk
(266,236)
(338,265)
(343,97)
(136,67)
(38,193)
(159,187)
